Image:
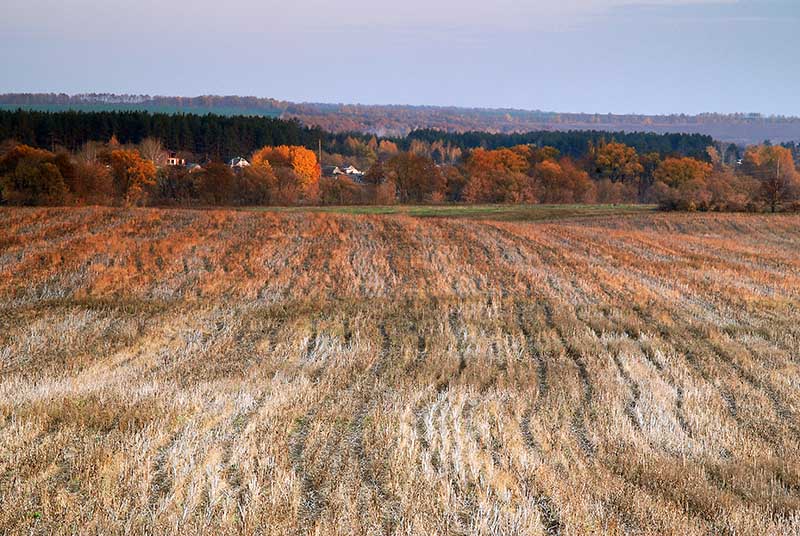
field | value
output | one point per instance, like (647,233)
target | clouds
(571,55)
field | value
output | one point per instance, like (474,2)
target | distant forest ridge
(106,102)
(399,120)
(217,137)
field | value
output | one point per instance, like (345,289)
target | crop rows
(235,372)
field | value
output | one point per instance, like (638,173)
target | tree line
(216,137)
(610,172)
(425,167)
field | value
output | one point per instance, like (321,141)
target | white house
(174,160)
(353,171)
(238,163)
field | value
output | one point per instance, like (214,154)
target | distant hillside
(399,120)
(104,102)
(222,137)
(742,129)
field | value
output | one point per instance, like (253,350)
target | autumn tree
(650,162)
(690,184)
(420,148)
(376,174)
(90,151)
(562,182)
(361,149)
(300,161)
(217,184)
(540,154)
(254,185)
(152,149)
(133,175)
(616,162)
(93,184)
(455,181)
(341,191)
(416,177)
(498,176)
(176,185)
(773,167)
(30,176)
(33,182)
(731,191)
(445,153)
(19,152)
(677,171)
(387,149)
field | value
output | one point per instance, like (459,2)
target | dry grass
(167,372)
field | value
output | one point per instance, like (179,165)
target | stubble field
(201,372)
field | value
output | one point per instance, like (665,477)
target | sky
(596,56)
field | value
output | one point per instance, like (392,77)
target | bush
(34,182)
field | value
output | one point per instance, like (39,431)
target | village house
(238,163)
(174,160)
(350,171)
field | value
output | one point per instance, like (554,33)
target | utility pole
(777,184)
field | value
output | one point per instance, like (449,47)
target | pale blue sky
(570,55)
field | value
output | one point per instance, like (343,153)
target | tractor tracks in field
(468,490)
(162,480)
(550,519)
(429,419)
(730,399)
(543,386)
(347,333)
(457,327)
(679,341)
(632,386)
(312,499)
(585,411)
(757,384)
(442,385)
(650,356)
(367,470)
(579,417)
(420,428)
(233,472)
(309,353)
(634,390)
(680,413)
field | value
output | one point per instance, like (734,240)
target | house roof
(238,161)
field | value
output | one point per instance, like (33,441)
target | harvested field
(182,372)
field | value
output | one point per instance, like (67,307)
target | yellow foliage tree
(773,167)
(617,162)
(677,171)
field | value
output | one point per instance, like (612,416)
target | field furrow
(234,372)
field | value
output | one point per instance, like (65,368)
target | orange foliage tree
(562,182)
(132,175)
(676,171)
(301,161)
(498,176)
